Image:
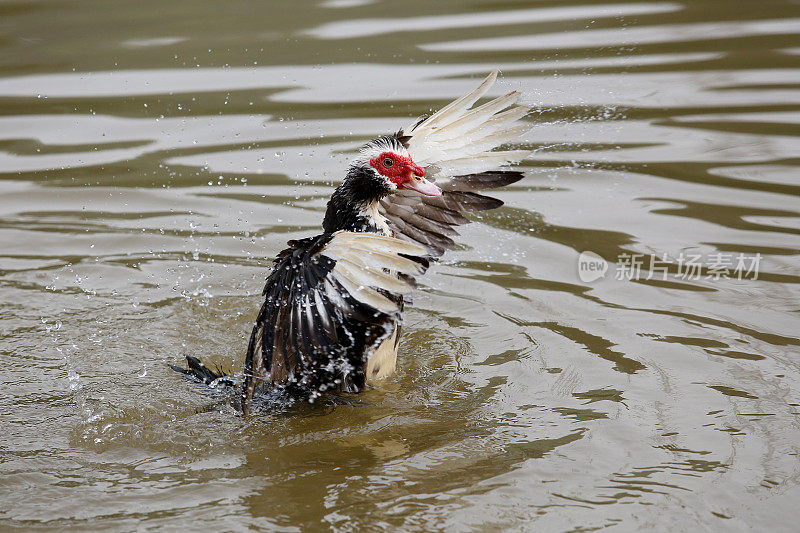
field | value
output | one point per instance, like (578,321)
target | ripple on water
(144,191)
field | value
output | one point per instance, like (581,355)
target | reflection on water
(154,156)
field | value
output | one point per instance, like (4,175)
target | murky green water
(154,155)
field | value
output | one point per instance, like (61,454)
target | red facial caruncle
(403,172)
(396,167)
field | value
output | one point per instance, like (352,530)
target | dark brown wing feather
(430,220)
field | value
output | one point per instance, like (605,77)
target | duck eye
(388,163)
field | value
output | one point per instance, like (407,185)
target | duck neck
(354,205)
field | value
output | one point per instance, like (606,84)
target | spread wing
(329,302)
(431,220)
(455,145)
(459,139)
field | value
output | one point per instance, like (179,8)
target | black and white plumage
(332,310)
(329,302)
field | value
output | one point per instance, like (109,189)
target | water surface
(154,156)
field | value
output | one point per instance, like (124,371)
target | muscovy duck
(331,317)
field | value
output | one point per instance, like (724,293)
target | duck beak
(422,186)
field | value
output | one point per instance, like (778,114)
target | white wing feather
(478,163)
(369,261)
(459,139)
